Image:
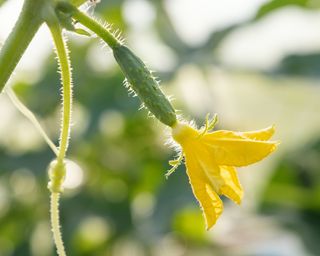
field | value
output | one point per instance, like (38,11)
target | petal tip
(210,225)
(275,144)
(238,202)
(272,129)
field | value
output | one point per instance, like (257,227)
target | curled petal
(231,186)
(229,148)
(217,206)
(263,134)
(224,179)
(208,199)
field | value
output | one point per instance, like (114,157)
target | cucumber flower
(211,159)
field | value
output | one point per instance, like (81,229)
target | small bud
(57,174)
(145,85)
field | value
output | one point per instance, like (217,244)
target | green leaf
(82,32)
(276,4)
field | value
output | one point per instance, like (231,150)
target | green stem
(55,223)
(102,31)
(64,63)
(57,173)
(24,30)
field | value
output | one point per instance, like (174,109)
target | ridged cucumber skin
(144,84)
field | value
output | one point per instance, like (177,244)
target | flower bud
(57,174)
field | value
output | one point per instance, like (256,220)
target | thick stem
(55,223)
(24,30)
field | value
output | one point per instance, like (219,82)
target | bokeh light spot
(74,175)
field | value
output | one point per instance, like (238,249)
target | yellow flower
(211,158)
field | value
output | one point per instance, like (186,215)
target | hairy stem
(63,59)
(55,223)
(102,31)
(24,30)
(58,169)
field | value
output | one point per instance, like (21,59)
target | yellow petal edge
(211,158)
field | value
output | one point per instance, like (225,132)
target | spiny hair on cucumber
(144,84)
(127,85)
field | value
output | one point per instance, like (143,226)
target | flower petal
(231,187)
(263,134)
(229,148)
(210,202)
(224,179)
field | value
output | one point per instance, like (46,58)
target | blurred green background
(254,62)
